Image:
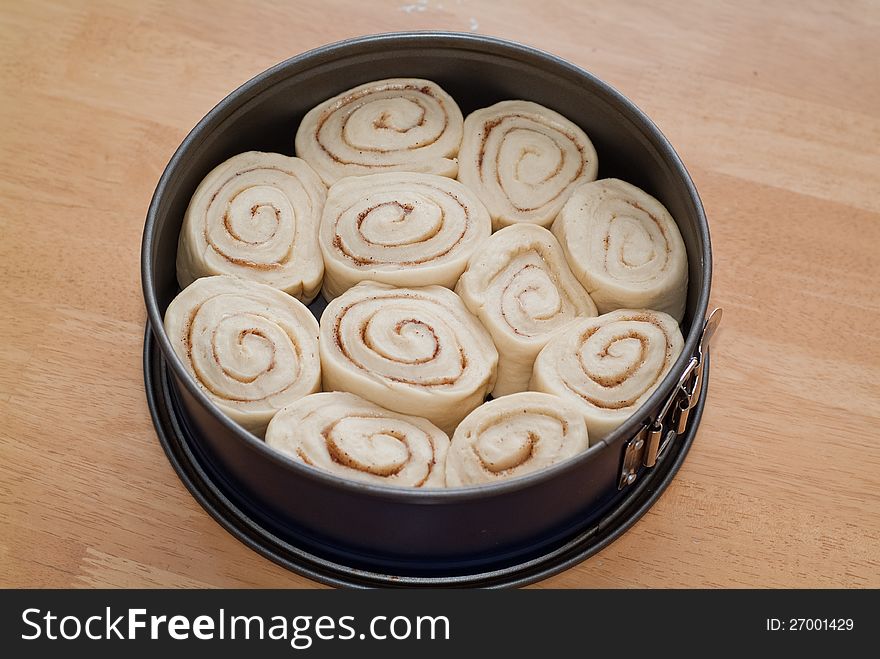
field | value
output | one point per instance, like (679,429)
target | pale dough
(251,348)
(512,436)
(609,365)
(400,124)
(624,247)
(399,228)
(523,160)
(413,350)
(353,438)
(256,216)
(520,287)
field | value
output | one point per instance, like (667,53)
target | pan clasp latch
(654,439)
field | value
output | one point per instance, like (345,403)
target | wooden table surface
(775,109)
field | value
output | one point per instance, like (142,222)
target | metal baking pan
(440,536)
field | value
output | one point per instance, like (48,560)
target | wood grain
(775,108)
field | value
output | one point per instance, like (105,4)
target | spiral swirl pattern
(512,436)
(521,289)
(399,228)
(412,350)
(252,348)
(624,247)
(609,365)
(400,124)
(256,216)
(523,160)
(353,438)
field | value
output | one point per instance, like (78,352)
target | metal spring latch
(651,443)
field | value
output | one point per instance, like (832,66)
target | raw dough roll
(399,228)
(255,216)
(624,247)
(401,124)
(412,350)
(609,365)
(354,438)
(512,436)
(523,160)
(252,348)
(521,289)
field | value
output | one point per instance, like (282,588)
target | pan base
(239,517)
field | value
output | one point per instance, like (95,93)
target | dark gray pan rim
(452,41)
(203,486)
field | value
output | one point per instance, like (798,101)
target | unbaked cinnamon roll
(413,350)
(519,286)
(609,365)
(512,436)
(252,348)
(353,438)
(401,124)
(523,160)
(256,216)
(399,228)
(624,247)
